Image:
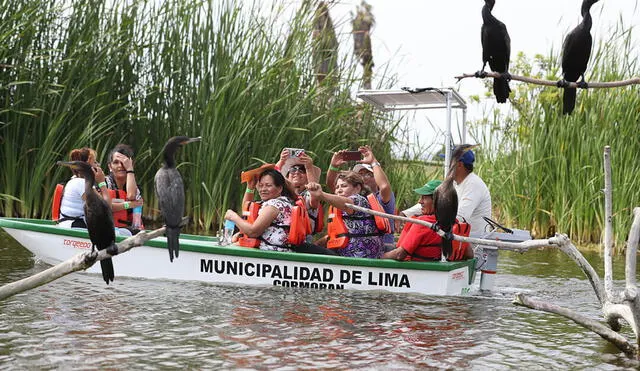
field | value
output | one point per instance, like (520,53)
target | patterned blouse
(274,238)
(361,223)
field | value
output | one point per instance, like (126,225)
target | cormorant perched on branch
(576,51)
(97,214)
(445,200)
(170,192)
(496,50)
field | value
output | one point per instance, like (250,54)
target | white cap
(359,167)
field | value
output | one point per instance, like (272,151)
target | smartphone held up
(351,155)
(295,152)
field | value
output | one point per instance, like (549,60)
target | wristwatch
(374,164)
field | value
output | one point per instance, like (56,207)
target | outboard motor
(488,255)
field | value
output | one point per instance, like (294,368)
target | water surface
(79,322)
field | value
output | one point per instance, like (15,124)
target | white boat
(202,258)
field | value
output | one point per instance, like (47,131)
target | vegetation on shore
(139,72)
(86,73)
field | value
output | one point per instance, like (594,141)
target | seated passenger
(124,188)
(299,171)
(419,242)
(71,208)
(352,233)
(374,178)
(271,228)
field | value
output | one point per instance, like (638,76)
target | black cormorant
(496,50)
(445,200)
(170,192)
(576,51)
(97,214)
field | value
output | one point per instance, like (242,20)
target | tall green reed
(139,72)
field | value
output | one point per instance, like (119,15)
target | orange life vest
(298,230)
(57,201)
(339,233)
(123,217)
(461,228)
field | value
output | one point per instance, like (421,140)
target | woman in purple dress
(365,240)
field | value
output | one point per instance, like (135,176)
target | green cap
(429,188)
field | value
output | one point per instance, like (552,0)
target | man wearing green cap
(418,242)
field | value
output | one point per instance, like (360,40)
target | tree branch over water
(624,305)
(77,263)
(532,80)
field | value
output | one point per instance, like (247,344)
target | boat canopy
(421,98)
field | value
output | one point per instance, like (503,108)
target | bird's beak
(63,163)
(191,140)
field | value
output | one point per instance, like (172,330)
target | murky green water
(80,323)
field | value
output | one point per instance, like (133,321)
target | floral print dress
(274,238)
(361,223)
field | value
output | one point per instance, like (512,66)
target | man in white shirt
(474,199)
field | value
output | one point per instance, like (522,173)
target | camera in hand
(295,152)
(351,155)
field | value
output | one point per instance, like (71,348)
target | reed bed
(139,72)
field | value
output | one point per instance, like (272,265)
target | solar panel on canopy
(405,100)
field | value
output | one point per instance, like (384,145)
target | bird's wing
(99,222)
(170,193)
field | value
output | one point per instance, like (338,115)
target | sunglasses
(297,169)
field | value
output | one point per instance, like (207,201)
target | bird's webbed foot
(562,83)
(90,257)
(505,76)
(113,249)
(480,74)
(582,84)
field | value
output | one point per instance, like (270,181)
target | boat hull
(203,259)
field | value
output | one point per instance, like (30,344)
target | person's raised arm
(102,184)
(266,216)
(132,185)
(284,155)
(338,201)
(312,174)
(249,193)
(334,169)
(378,174)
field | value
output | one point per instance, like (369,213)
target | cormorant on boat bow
(576,51)
(170,192)
(97,214)
(445,200)
(496,50)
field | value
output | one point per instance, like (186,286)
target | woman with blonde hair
(351,233)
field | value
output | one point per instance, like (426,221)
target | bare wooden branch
(618,340)
(531,80)
(608,226)
(632,251)
(624,306)
(572,251)
(77,263)
(502,245)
